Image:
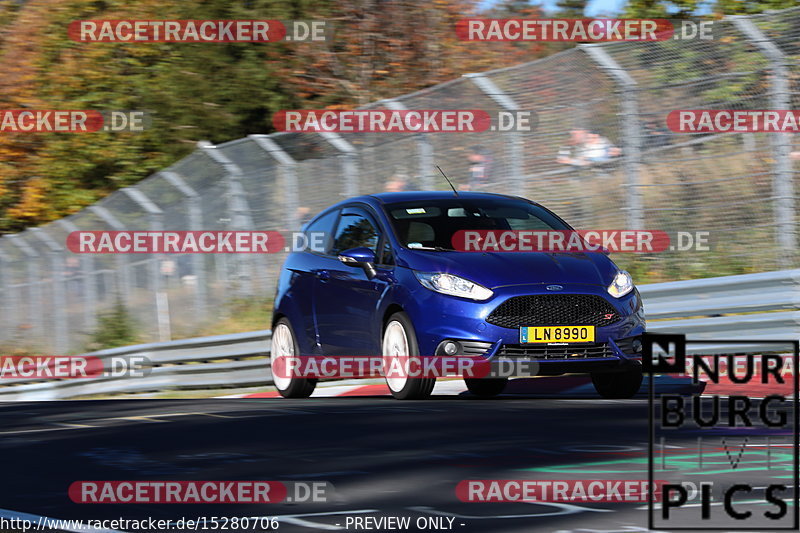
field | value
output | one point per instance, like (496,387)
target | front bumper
(568,359)
(439,318)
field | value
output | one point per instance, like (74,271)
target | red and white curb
(362,388)
(569,386)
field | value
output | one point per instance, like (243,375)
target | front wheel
(618,385)
(401,358)
(486,387)
(284,349)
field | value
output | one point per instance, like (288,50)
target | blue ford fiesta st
(386,281)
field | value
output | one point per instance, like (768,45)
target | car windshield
(431,224)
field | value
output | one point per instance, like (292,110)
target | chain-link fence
(738,186)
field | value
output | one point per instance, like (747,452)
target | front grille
(554,310)
(583,351)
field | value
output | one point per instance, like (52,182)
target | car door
(345,299)
(304,274)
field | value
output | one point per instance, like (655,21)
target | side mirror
(360,257)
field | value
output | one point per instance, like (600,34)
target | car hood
(497,269)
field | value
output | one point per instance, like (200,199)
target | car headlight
(622,284)
(453,285)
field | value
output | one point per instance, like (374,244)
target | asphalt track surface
(384,457)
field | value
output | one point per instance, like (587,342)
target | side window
(319,233)
(532,222)
(355,230)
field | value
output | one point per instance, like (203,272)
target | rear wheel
(284,349)
(486,388)
(400,355)
(618,385)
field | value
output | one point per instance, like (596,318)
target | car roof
(379,199)
(413,196)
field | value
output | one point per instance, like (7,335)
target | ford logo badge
(554,288)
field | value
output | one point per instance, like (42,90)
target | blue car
(385,280)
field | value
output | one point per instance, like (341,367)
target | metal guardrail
(759,307)
(235,360)
(762,306)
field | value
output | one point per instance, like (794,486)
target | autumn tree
(213,91)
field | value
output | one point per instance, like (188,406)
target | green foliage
(660,8)
(115,328)
(683,9)
(571,8)
(751,7)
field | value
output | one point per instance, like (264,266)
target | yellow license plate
(555,334)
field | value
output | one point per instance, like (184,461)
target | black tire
(297,387)
(618,385)
(414,388)
(486,387)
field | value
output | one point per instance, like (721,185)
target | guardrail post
(782,178)
(425,164)
(194,214)
(515,142)
(35,303)
(123,266)
(89,292)
(239,211)
(59,303)
(632,136)
(155,221)
(348,159)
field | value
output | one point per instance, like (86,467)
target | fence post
(123,270)
(154,220)
(288,185)
(631,131)
(89,299)
(287,174)
(425,164)
(348,158)
(195,222)
(288,191)
(35,303)
(239,211)
(10,301)
(782,178)
(59,304)
(515,142)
